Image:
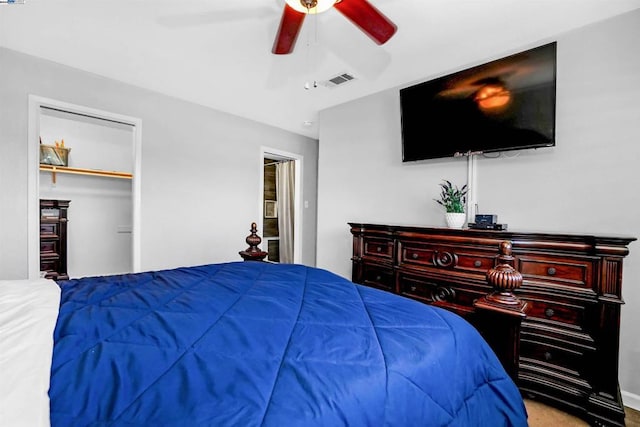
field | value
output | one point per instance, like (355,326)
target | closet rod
(44,107)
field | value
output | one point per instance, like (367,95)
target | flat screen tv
(507,104)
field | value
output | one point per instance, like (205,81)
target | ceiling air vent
(338,80)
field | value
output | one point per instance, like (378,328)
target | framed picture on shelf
(270,209)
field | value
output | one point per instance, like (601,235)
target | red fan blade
(288,31)
(369,19)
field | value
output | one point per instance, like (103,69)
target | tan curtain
(285,186)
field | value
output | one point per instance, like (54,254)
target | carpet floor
(541,415)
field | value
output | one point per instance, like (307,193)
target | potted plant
(453,199)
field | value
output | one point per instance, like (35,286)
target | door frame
(276,154)
(33,175)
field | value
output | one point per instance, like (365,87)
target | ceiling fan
(360,12)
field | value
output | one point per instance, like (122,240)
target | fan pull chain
(314,84)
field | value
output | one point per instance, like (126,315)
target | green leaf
(452,198)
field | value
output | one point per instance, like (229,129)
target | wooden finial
(505,279)
(253,252)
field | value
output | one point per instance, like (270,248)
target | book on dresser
(571,283)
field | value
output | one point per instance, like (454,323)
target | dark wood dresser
(572,284)
(53,238)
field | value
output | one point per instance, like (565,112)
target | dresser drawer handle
(547,356)
(549,312)
(378,249)
(413,288)
(378,278)
(415,255)
(477,263)
(551,271)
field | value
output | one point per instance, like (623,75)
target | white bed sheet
(28,314)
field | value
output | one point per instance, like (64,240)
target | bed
(243,344)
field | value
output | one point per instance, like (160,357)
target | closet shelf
(83,171)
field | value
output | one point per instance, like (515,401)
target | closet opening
(88,159)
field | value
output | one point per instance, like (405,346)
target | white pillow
(28,314)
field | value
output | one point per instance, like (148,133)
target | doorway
(104,213)
(280,205)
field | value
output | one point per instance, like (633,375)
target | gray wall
(200,167)
(586,184)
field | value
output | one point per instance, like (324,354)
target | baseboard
(631,400)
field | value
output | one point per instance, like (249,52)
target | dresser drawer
(49,246)
(558,312)
(378,247)
(576,272)
(49,264)
(558,356)
(435,291)
(568,391)
(445,257)
(48,229)
(378,277)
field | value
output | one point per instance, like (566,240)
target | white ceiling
(218,53)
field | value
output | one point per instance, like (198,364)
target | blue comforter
(249,344)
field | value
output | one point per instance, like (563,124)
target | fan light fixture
(360,12)
(311,6)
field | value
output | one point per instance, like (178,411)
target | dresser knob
(413,289)
(415,256)
(551,271)
(547,356)
(549,312)
(378,278)
(379,249)
(477,263)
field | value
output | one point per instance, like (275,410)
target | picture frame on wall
(270,209)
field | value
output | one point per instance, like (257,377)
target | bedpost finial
(505,253)
(504,278)
(253,252)
(505,248)
(253,240)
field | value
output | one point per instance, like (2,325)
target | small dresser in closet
(53,238)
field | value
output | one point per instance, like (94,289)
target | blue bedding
(250,344)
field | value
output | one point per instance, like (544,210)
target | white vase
(455,219)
